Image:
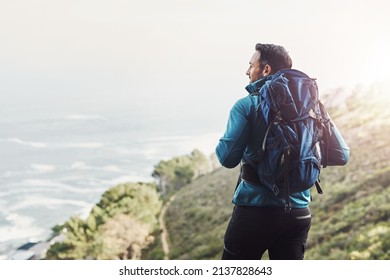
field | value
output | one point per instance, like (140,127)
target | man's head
(267,60)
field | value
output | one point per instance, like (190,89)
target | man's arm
(232,145)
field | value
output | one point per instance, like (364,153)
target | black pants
(253,230)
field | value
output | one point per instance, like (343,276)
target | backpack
(295,145)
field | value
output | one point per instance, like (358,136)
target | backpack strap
(275,121)
(239,178)
(318,186)
(286,155)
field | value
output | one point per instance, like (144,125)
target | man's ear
(267,70)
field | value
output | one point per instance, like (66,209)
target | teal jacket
(242,139)
(244,136)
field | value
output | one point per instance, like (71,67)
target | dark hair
(273,55)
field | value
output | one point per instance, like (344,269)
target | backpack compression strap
(286,155)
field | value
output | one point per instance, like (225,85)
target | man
(259,221)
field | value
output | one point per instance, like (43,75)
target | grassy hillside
(197,217)
(350,221)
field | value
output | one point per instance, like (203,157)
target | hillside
(350,220)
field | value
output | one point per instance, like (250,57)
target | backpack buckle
(275,189)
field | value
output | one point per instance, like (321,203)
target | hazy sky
(175,56)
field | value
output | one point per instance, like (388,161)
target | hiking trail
(164,233)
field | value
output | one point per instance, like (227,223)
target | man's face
(254,71)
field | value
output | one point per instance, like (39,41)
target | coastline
(46,192)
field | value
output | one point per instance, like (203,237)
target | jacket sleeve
(338,150)
(233,143)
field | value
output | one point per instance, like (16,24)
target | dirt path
(164,233)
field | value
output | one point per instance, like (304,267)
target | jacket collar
(254,87)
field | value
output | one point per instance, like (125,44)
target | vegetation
(175,173)
(118,227)
(197,218)
(351,219)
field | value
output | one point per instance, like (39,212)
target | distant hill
(350,220)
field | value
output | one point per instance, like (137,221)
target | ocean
(56,166)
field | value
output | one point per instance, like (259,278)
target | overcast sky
(175,56)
